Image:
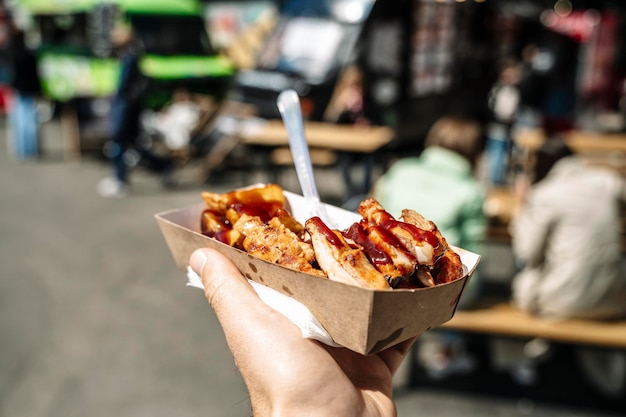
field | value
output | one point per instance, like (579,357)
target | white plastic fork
(289,106)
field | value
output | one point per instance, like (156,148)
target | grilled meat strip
(276,243)
(423,244)
(340,261)
(448,265)
(384,251)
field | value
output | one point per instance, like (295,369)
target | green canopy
(185,66)
(54,6)
(177,7)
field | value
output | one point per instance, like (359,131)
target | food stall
(78,66)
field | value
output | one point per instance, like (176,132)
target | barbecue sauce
(357,233)
(268,199)
(329,234)
(259,211)
(220,226)
(418,234)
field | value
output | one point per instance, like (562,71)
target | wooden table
(604,149)
(580,140)
(499,208)
(501,318)
(358,141)
(348,138)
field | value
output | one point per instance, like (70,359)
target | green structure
(75,54)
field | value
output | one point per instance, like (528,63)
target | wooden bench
(503,319)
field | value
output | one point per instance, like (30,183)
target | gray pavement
(95,319)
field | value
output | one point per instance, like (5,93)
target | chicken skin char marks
(276,243)
(378,252)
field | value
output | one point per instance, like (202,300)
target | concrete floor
(95,319)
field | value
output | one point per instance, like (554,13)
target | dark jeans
(125,134)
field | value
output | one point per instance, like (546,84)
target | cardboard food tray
(363,320)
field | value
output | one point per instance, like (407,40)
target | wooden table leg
(70,133)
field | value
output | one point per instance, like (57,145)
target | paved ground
(95,319)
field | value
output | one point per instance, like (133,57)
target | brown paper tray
(363,320)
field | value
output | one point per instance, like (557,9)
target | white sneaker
(111,187)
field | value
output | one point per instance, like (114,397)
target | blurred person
(26,85)
(285,373)
(441,184)
(566,234)
(349,106)
(531,88)
(126,112)
(504,101)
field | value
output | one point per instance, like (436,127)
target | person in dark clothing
(26,86)
(350,106)
(503,101)
(126,112)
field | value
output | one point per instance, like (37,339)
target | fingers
(394,355)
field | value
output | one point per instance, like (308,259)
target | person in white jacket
(566,234)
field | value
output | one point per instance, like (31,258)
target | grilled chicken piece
(384,251)
(235,211)
(373,212)
(276,243)
(448,267)
(215,202)
(416,219)
(340,261)
(423,244)
(284,217)
(269,197)
(215,225)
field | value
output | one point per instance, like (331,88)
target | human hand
(286,374)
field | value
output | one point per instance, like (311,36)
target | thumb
(224,286)
(244,317)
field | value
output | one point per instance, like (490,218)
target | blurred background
(95,319)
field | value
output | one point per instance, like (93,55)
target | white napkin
(294,310)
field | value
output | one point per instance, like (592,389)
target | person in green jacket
(442,185)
